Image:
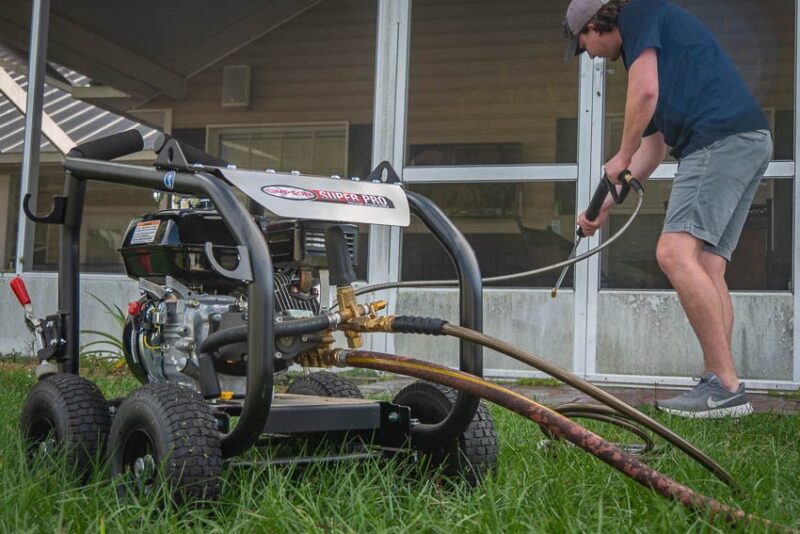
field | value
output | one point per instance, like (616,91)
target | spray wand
(605,187)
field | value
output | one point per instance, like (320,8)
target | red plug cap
(134,308)
(18,286)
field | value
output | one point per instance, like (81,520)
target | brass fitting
(322,357)
(354,318)
(377,306)
(369,323)
(314,357)
(349,309)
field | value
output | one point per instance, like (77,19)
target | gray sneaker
(709,399)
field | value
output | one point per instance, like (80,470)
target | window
(108,208)
(313,74)
(9,197)
(316,149)
(762,260)
(488,84)
(513,227)
(491,98)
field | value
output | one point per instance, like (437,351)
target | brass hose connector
(323,357)
(369,323)
(315,357)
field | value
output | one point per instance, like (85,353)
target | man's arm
(640,105)
(651,152)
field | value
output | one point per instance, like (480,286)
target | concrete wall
(641,334)
(529,319)
(43,289)
(648,334)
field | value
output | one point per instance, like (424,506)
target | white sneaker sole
(737,411)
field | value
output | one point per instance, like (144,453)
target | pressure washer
(229,298)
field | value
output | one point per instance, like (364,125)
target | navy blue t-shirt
(702,97)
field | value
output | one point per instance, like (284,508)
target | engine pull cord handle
(605,187)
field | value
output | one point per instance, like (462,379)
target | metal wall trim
(29,182)
(493,173)
(796,214)
(388,143)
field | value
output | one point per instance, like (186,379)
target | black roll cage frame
(207,182)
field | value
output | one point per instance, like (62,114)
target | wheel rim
(42,438)
(139,465)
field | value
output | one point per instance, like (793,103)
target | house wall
(318,67)
(492,74)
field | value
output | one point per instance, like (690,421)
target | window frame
(214,133)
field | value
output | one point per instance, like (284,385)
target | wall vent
(236,86)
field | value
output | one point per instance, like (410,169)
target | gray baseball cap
(579,13)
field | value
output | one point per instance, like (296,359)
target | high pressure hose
(421,325)
(516,276)
(554,422)
(608,415)
(596,393)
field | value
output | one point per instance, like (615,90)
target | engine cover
(172,243)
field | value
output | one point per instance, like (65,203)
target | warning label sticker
(145,232)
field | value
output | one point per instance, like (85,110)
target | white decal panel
(325,199)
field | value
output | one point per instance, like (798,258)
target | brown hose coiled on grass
(555,423)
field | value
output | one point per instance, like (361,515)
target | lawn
(535,489)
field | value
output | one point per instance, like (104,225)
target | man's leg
(715,266)
(711,195)
(700,284)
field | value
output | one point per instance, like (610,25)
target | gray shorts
(714,187)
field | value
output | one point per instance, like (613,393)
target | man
(684,92)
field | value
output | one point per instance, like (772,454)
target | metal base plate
(290,414)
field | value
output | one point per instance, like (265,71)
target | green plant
(108,346)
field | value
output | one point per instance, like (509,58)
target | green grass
(549,382)
(784,394)
(557,489)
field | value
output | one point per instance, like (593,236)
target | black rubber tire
(71,414)
(325,384)
(473,454)
(172,430)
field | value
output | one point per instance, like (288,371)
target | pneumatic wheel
(66,414)
(325,384)
(471,455)
(166,434)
